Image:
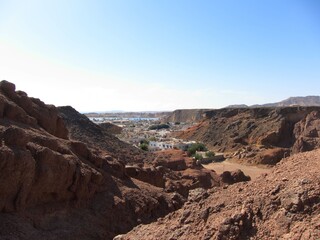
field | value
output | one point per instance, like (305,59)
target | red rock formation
(307,133)
(278,130)
(175,172)
(53,187)
(234,177)
(18,106)
(284,204)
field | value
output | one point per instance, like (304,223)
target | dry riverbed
(252,171)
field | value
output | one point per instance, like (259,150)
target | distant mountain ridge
(307,101)
(300,101)
(194,115)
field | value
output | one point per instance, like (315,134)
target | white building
(154,146)
(174,144)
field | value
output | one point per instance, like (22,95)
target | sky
(148,55)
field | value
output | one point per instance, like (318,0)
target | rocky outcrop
(284,204)
(111,128)
(176,160)
(185,115)
(307,133)
(234,177)
(258,135)
(54,185)
(18,106)
(174,171)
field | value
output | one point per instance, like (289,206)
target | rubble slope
(284,204)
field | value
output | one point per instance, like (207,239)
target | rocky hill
(284,204)
(258,135)
(139,164)
(82,129)
(53,186)
(185,115)
(64,177)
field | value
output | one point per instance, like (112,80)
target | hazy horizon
(160,55)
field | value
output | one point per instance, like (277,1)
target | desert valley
(159,120)
(231,173)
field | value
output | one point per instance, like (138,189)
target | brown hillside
(185,115)
(56,187)
(82,129)
(111,128)
(258,135)
(138,164)
(284,204)
(64,177)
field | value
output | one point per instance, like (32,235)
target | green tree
(196,147)
(144,146)
(159,126)
(210,154)
(198,156)
(144,141)
(152,139)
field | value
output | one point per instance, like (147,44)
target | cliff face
(185,115)
(53,186)
(260,135)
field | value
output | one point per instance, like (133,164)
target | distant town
(150,132)
(145,129)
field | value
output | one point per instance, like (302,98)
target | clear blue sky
(160,55)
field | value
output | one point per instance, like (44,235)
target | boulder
(234,177)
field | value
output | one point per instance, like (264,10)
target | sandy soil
(252,171)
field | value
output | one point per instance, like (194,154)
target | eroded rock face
(19,107)
(258,135)
(284,204)
(56,187)
(307,133)
(175,172)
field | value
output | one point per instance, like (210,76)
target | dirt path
(252,171)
